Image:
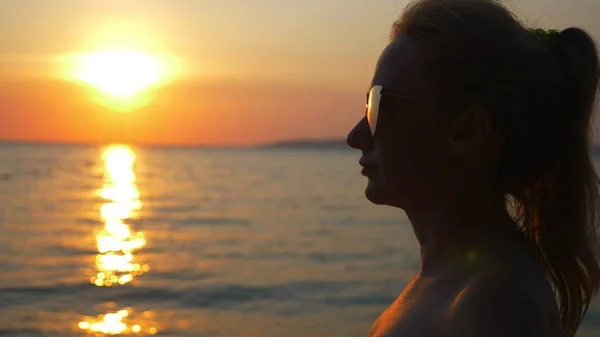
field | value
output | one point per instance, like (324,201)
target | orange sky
(239,72)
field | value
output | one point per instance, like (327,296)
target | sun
(120,73)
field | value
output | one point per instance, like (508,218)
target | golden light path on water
(114,324)
(116,242)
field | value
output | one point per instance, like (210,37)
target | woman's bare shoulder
(505,303)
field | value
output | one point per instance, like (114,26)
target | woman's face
(405,159)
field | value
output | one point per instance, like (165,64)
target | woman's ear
(471,130)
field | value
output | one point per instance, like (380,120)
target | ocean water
(196,242)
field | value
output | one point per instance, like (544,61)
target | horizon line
(173,145)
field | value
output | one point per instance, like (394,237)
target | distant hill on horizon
(334,143)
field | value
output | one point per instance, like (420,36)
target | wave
(177,221)
(194,220)
(21,332)
(202,296)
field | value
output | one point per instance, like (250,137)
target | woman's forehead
(399,67)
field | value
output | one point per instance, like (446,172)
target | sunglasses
(374,102)
(377,92)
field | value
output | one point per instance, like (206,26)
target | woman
(478,128)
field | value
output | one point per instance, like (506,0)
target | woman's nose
(360,136)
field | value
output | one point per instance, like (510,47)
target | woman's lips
(367,171)
(367,168)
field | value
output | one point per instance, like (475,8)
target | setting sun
(119,73)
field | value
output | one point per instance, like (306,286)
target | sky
(232,72)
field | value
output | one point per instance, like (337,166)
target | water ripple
(204,296)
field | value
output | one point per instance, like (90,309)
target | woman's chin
(375,193)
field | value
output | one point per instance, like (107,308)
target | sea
(233,242)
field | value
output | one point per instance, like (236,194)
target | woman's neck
(460,229)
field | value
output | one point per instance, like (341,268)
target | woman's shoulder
(506,302)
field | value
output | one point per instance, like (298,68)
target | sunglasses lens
(372,107)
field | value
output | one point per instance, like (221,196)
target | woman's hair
(540,90)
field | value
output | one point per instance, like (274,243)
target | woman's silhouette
(479,129)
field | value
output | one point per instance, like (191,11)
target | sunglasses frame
(374,101)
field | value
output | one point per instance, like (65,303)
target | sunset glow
(199,73)
(119,73)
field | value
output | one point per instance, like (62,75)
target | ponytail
(558,209)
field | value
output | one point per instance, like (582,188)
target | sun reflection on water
(116,242)
(115,323)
